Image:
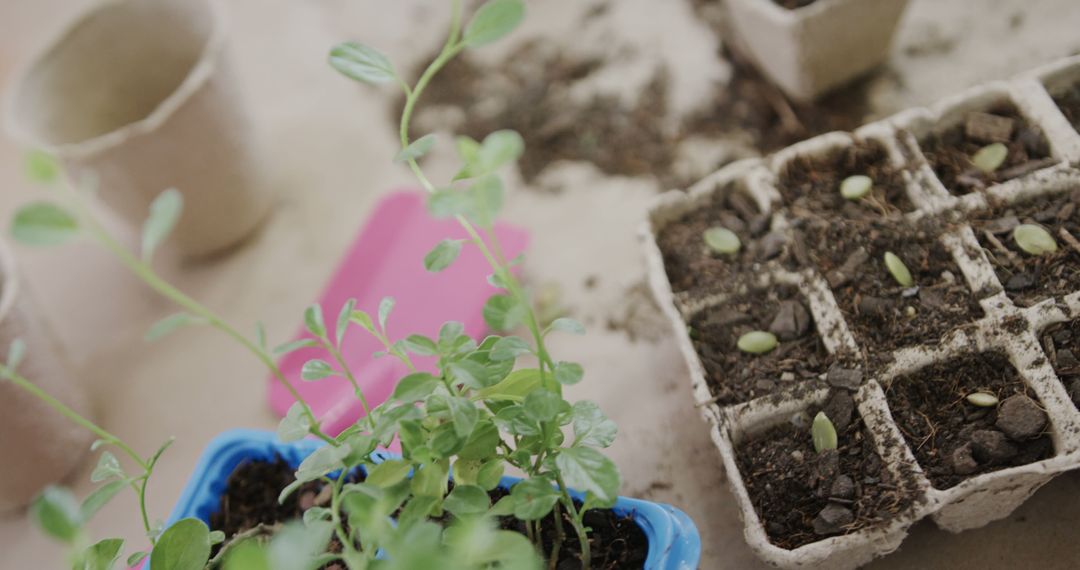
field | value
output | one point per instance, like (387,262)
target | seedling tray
(978,315)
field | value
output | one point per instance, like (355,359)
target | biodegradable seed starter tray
(979,316)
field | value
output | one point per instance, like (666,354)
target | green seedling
(823,433)
(898,270)
(856,187)
(757,342)
(990,157)
(722,240)
(982,399)
(1034,239)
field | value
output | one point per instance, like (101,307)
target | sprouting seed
(823,433)
(898,270)
(983,399)
(757,342)
(990,157)
(1034,239)
(855,187)
(722,240)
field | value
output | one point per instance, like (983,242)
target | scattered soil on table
(692,265)
(802,496)
(251,493)
(954,440)
(1028,278)
(1062,345)
(949,151)
(1068,100)
(813,183)
(529,92)
(734,376)
(883,315)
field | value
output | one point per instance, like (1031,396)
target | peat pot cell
(883,314)
(1067,99)
(1061,342)
(1028,278)
(802,496)
(250,500)
(951,151)
(734,375)
(954,439)
(690,261)
(813,183)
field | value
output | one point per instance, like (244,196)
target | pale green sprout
(823,433)
(982,399)
(722,240)
(757,342)
(990,157)
(898,270)
(1034,239)
(856,187)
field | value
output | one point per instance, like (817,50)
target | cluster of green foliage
(490,406)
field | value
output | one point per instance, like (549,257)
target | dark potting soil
(954,440)
(949,151)
(735,376)
(1068,100)
(691,265)
(1028,278)
(1062,345)
(251,499)
(802,496)
(813,183)
(881,314)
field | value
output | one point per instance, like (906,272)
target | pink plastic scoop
(387,260)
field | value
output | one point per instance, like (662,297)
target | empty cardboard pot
(139,93)
(42,446)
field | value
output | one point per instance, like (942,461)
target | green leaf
(898,270)
(297,545)
(57,513)
(586,469)
(313,320)
(442,255)
(468,149)
(482,441)
(430,480)
(493,21)
(364,320)
(216,537)
(41,167)
(566,324)
(344,315)
(490,474)
(316,369)
(416,149)
(514,387)
(183,546)
(470,373)
(568,373)
(421,345)
(823,433)
(101,497)
(107,468)
(103,555)
(467,500)
(317,514)
(591,426)
(322,461)
(533,499)
(15,355)
(415,387)
(361,63)
(509,348)
(260,335)
(136,558)
(499,148)
(295,425)
(170,324)
(249,555)
(543,406)
(448,202)
(389,473)
(503,312)
(293,346)
(385,306)
(44,223)
(464,415)
(487,200)
(165,211)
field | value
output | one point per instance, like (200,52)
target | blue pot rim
(674,543)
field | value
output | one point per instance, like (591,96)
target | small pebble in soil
(856,187)
(840,409)
(898,270)
(1020,418)
(832,519)
(992,446)
(962,461)
(757,342)
(982,399)
(1020,282)
(990,157)
(843,488)
(847,378)
(722,240)
(1034,239)
(988,128)
(792,321)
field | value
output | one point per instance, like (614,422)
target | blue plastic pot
(674,543)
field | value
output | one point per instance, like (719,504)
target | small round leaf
(855,187)
(492,21)
(1034,239)
(990,157)
(898,270)
(823,433)
(44,223)
(757,342)
(983,399)
(722,240)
